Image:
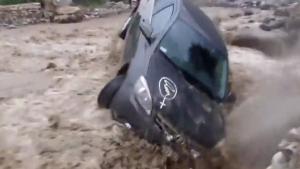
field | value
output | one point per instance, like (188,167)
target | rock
(11,27)
(68,18)
(34,13)
(51,65)
(235,15)
(268,20)
(54,121)
(250,4)
(68,10)
(279,161)
(266,6)
(293,136)
(265,27)
(68,14)
(282,12)
(288,156)
(248,12)
(251,21)
(277,24)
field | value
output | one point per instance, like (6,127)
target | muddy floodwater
(50,76)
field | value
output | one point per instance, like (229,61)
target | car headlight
(142,94)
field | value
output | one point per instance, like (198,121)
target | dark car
(174,77)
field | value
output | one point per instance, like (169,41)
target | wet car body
(162,95)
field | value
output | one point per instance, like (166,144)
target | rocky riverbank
(13,16)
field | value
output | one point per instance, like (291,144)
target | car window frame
(167,19)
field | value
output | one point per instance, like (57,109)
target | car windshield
(187,49)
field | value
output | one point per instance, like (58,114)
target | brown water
(49,118)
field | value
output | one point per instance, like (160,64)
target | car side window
(161,18)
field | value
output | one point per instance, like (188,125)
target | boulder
(283,12)
(288,156)
(251,21)
(268,20)
(248,12)
(273,24)
(50,7)
(68,10)
(265,27)
(266,6)
(73,18)
(68,14)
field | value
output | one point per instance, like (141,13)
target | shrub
(89,2)
(78,2)
(11,2)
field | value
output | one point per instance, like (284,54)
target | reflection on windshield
(188,50)
(205,63)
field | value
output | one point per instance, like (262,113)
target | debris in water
(54,121)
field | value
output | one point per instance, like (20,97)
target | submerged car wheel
(108,92)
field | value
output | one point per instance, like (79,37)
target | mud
(50,78)
(51,75)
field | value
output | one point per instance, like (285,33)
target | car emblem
(167,90)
